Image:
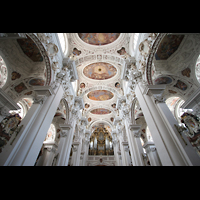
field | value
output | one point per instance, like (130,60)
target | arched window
(135,40)
(3,72)
(24,105)
(51,133)
(197,69)
(62,39)
(174,104)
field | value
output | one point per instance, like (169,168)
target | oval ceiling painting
(100,71)
(100,111)
(98,38)
(100,95)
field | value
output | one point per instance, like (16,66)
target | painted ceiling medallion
(100,111)
(98,38)
(100,95)
(100,71)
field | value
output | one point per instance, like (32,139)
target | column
(33,133)
(115,153)
(170,146)
(64,147)
(136,147)
(124,151)
(152,153)
(86,146)
(181,142)
(76,153)
(48,155)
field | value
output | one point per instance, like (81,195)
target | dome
(98,38)
(100,71)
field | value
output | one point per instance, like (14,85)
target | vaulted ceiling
(99,58)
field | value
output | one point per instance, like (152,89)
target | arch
(101,87)
(174,103)
(67,109)
(149,62)
(3,72)
(100,121)
(96,107)
(51,133)
(83,45)
(87,59)
(24,104)
(63,42)
(133,111)
(44,55)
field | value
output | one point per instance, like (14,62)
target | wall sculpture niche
(100,71)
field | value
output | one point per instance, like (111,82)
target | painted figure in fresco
(186,72)
(76,52)
(87,105)
(181,85)
(114,105)
(15,75)
(19,88)
(117,85)
(82,85)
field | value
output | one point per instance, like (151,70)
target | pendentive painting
(100,71)
(100,95)
(19,88)
(181,85)
(98,38)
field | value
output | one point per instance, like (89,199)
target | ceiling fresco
(168,46)
(100,95)
(100,71)
(162,80)
(98,38)
(30,49)
(37,81)
(100,111)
